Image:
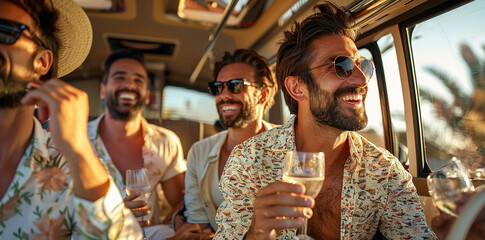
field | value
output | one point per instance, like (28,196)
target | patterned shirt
(163,158)
(377,192)
(40,202)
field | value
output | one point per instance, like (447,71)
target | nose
(225,91)
(358,77)
(129,83)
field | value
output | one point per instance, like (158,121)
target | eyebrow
(124,73)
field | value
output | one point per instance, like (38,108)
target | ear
(147,100)
(102,91)
(296,88)
(264,95)
(43,62)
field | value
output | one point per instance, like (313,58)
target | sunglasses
(10,32)
(344,66)
(234,85)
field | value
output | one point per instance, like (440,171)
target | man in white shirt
(125,140)
(244,88)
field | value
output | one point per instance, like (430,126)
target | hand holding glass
(447,184)
(307,168)
(137,182)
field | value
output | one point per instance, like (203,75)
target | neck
(313,137)
(119,130)
(16,127)
(236,136)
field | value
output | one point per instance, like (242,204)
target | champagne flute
(307,168)
(447,184)
(137,182)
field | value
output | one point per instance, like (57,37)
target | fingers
(144,223)
(131,197)
(284,198)
(68,109)
(281,206)
(280,187)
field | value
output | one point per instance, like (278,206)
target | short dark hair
(264,76)
(120,54)
(295,53)
(45,19)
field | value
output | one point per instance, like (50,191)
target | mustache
(119,91)
(350,89)
(228,102)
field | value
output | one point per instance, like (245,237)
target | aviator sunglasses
(10,32)
(234,85)
(344,66)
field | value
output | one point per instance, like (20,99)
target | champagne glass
(446,185)
(307,168)
(137,182)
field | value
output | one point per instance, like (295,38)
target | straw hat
(75,34)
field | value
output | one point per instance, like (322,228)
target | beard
(12,85)
(326,110)
(115,108)
(246,115)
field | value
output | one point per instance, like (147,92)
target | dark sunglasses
(234,85)
(10,32)
(344,66)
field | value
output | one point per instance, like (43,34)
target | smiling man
(124,140)
(52,185)
(244,88)
(366,189)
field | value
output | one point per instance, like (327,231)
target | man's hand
(138,207)
(68,110)
(279,206)
(194,231)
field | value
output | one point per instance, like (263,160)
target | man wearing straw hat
(51,184)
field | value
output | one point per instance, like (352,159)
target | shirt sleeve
(105,218)
(176,156)
(403,216)
(195,212)
(235,213)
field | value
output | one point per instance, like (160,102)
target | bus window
(374,131)
(449,68)
(183,103)
(394,96)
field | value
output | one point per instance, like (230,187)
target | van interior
(181,40)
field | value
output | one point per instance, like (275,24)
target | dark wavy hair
(295,53)
(45,19)
(264,76)
(120,54)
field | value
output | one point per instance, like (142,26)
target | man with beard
(124,140)
(244,88)
(51,184)
(366,189)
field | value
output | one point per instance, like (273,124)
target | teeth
(355,97)
(129,96)
(228,108)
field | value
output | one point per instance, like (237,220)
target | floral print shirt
(163,158)
(377,192)
(40,202)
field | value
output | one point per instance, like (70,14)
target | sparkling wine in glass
(448,184)
(307,168)
(137,182)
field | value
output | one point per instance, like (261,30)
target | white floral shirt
(40,202)
(163,158)
(377,192)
